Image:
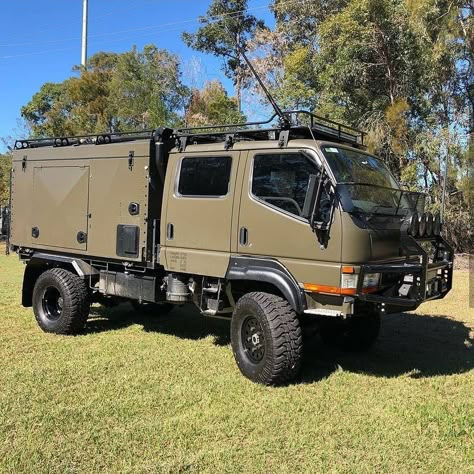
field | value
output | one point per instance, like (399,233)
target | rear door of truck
(197,229)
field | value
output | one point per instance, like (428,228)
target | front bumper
(422,277)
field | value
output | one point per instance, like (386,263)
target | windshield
(365,184)
(352,166)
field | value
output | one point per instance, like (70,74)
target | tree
(146,89)
(49,111)
(117,92)
(212,106)
(5,166)
(226,29)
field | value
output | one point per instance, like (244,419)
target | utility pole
(84,33)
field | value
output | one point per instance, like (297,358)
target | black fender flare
(40,262)
(268,271)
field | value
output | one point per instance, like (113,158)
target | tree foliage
(5,166)
(117,92)
(212,106)
(225,30)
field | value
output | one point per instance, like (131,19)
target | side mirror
(310,198)
(319,203)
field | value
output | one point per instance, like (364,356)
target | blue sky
(40,41)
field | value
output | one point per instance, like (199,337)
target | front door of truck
(200,189)
(271,222)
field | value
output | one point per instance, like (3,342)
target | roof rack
(94,139)
(312,126)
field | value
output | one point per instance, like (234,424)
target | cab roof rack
(297,124)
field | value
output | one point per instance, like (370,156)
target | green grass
(163,394)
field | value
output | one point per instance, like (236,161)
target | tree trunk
(238,90)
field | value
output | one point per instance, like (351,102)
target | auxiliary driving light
(437,224)
(422,225)
(413,224)
(429,224)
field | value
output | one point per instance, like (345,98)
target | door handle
(170,231)
(244,236)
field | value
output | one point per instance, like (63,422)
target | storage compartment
(60,206)
(128,285)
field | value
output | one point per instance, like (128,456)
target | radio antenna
(284,121)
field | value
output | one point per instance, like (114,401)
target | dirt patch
(461,261)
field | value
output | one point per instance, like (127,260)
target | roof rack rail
(315,126)
(312,126)
(94,139)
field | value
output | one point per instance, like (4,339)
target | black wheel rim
(52,303)
(253,339)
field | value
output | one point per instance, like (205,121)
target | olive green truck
(269,226)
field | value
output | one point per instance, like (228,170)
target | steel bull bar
(411,283)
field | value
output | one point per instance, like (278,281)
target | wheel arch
(267,273)
(40,262)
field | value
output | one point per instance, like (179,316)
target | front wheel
(266,338)
(61,301)
(356,334)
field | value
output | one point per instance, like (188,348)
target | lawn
(163,394)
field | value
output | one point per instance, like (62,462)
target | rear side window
(281,180)
(205,176)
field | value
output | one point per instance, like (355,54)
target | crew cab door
(197,227)
(271,224)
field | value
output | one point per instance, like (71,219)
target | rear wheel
(266,338)
(61,301)
(356,334)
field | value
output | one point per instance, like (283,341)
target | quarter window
(205,176)
(281,180)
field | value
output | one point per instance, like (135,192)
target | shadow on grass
(416,345)
(185,322)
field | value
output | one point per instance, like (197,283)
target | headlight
(413,224)
(429,224)
(422,225)
(371,280)
(437,224)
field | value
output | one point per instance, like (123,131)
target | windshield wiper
(374,210)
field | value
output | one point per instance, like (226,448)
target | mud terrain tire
(61,302)
(266,338)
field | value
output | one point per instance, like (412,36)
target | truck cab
(270,228)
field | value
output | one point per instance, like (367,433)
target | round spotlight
(429,224)
(65,142)
(437,224)
(57,142)
(24,144)
(100,139)
(107,139)
(422,226)
(413,224)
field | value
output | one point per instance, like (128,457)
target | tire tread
(286,336)
(76,300)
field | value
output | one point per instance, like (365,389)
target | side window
(282,180)
(205,176)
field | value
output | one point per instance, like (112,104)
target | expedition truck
(268,226)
